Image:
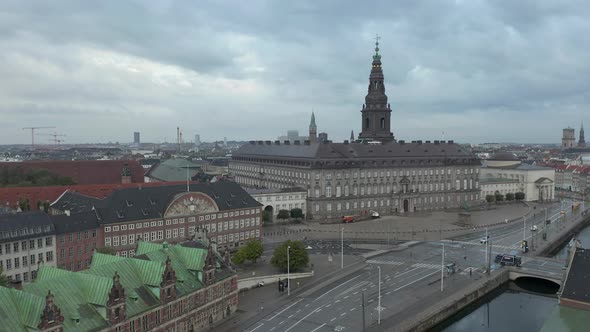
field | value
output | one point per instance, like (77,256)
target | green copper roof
(82,296)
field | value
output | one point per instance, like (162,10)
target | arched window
(367,123)
(382,123)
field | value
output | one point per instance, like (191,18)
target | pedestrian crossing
(381,262)
(395,263)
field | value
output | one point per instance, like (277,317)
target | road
(409,279)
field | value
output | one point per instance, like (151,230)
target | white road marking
(387,293)
(342,314)
(336,301)
(290,316)
(281,323)
(346,297)
(304,317)
(335,288)
(333,319)
(284,310)
(319,327)
(355,293)
(353,309)
(319,309)
(370,301)
(328,305)
(307,305)
(408,284)
(256,328)
(274,327)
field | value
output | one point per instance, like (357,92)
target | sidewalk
(256,303)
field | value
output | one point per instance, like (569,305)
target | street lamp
(288,275)
(342,248)
(379,298)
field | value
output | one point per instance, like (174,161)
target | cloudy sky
(479,71)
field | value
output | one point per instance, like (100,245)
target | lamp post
(379,298)
(288,275)
(342,248)
(442,268)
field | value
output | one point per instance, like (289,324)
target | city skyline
(475,71)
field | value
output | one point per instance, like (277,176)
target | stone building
(273,200)
(504,173)
(378,173)
(157,214)
(568,139)
(27,241)
(164,287)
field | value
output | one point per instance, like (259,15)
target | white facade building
(504,173)
(275,200)
(27,239)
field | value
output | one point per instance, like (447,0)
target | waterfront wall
(442,310)
(552,248)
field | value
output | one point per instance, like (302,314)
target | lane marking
(333,319)
(335,288)
(408,284)
(304,317)
(342,314)
(274,327)
(353,309)
(256,328)
(319,327)
(268,320)
(290,316)
(281,323)
(336,301)
(328,305)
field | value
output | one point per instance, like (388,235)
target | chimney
(307,142)
(267,142)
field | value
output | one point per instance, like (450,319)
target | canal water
(512,307)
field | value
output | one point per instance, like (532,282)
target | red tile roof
(85,171)
(10,196)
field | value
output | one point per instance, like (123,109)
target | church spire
(582,141)
(313,129)
(376,112)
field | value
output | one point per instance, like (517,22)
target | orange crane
(33,134)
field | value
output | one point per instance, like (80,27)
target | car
(509,260)
(534,228)
(260,283)
(483,240)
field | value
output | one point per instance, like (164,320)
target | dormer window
(129,203)
(120,214)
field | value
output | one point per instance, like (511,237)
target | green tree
(499,197)
(283,214)
(519,196)
(251,252)
(297,213)
(106,251)
(298,256)
(490,198)
(3,279)
(509,196)
(24,204)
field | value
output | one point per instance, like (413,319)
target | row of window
(87,234)
(284,198)
(386,189)
(25,245)
(78,250)
(25,276)
(387,202)
(124,240)
(23,261)
(407,172)
(176,221)
(231,224)
(235,237)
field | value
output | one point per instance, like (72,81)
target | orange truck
(347,219)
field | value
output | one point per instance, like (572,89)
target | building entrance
(406,205)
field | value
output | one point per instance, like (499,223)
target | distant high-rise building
(197,140)
(582,141)
(313,129)
(225,141)
(569,138)
(323,137)
(136,138)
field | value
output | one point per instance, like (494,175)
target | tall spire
(313,129)
(376,112)
(582,141)
(352,135)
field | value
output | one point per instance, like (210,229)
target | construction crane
(55,136)
(33,134)
(56,142)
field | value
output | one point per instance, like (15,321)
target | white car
(534,228)
(483,240)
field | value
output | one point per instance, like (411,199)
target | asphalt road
(408,278)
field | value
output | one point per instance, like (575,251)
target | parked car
(260,283)
(534,228)
(483,240)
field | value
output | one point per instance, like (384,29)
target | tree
(297,213)
(283,214)
(298,257)
(251,251)
(24,204)
(509,196)
(519,196)
(3,279)
(106,251)
(499,197)
(490,198)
